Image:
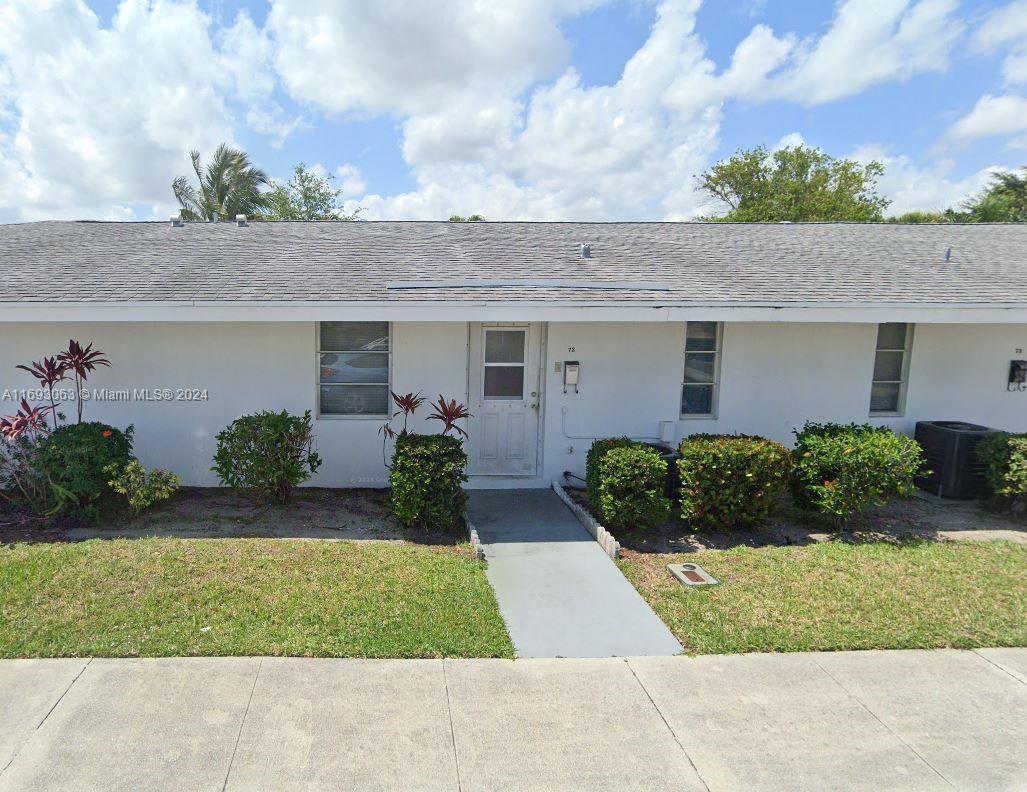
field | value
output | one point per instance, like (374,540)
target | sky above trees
(541,109)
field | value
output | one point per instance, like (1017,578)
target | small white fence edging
(605,539)
(472,535)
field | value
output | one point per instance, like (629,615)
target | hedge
(841,469)
(730,481)
(631,488)
(1004,457)
(426,478)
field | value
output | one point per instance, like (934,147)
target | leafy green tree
(920,216)
(306,196)
(230,185)
(1004,200)
(797,184)
(474,218)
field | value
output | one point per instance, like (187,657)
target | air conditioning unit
(949,448)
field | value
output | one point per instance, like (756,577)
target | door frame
(475,388)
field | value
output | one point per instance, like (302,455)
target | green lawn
(167,597)
(836,596)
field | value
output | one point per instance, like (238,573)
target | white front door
(505,399)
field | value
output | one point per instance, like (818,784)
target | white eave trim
(495,310)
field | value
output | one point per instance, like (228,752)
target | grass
(177,597)
(834,596)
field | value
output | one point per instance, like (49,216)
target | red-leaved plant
(449,413)
(25,421)
(81,360)
(49,371)
(408,404)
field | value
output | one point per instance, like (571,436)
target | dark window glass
(354,336)
(354,399)
(697,400)
(504,382)
(355,367)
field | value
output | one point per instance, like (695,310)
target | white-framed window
(702,370)
(891,368)
(354,366)
(503,363)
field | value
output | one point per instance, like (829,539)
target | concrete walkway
(560,594)
(847,720)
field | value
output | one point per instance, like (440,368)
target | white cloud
(628,150)
(928,188)
(1006,27)
(97,118)
(408,56)
(870,42)
(992,116)
(350,180)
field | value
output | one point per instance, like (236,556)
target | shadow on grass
(219,513)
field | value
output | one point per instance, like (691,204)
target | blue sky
(543,109)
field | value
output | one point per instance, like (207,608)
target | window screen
(503,365)
(702,348)
(353,368)
(891,359)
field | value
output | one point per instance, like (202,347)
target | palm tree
(229,186)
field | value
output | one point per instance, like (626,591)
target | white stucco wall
(774,376)
(245,367)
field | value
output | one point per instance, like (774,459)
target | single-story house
(552,333)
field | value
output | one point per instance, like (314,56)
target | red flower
(107,433)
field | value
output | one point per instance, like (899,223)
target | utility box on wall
(950,449)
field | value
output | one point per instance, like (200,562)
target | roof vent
(214,217)
(176,222)
(948,255)
(586,251)
(240,220)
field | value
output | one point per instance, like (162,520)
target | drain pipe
(563,430)
(568,475)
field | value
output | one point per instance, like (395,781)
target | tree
(474,218)
(229,186)
(921,216)
(306,196)
(1004,200)
(798,184)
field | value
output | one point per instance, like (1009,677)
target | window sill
(886,415)
(707,417)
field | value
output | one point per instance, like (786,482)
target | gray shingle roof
(776,264)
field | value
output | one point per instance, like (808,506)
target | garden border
(472,535)
(604,538)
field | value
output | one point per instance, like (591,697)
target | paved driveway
(845,720)
(559,592)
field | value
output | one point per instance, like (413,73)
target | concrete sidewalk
(558,591)
(847,720)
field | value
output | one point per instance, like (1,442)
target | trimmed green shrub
(631,484)
(730,481)
(268,454)
(840,470)
(426,478)
(73,459)
(595,455)
(1004,457)
(143,488)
